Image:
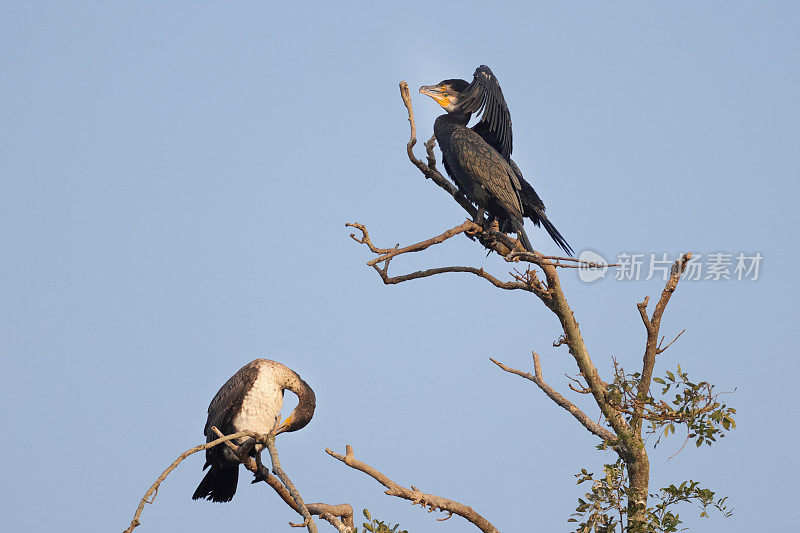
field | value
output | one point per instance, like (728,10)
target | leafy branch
(603,508)
(694,405)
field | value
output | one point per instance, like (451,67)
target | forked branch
(387,254)
(415,496)
(652,325)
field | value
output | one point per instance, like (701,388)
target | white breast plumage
(261,405)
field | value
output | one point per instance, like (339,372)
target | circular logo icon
(593,266)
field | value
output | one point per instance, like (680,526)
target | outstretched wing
(484,96)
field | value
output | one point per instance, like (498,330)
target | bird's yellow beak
(437,92)
(283,426)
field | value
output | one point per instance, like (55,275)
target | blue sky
(176,180)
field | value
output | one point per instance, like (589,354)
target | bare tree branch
(537,258)
(364,239)
(574,410)
(557,303)
(387,254)
(491,239)
(413,494)
(339,516)
(417,247)
(507,285)
(151,493)
(276,468)
(652,325)
(329,513)
(664,349)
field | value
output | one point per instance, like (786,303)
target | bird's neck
(444,125)
(306,401)
(455,118)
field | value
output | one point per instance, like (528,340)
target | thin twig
(555,260)
(682,447)
(429,144)
(660,349)
(580,389)
(365,238)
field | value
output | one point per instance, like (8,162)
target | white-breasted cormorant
(250,400)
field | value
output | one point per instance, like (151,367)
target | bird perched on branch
(250,400)
(498,188)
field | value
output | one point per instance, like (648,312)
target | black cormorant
(460,99)
(250,400)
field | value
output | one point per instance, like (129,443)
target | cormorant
(250,400)
(460,99)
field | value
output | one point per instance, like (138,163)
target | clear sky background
(175,182)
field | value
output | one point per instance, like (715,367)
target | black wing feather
(229,399)
(484,96)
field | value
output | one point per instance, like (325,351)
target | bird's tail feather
(219,483)
(554,233)
(523,238)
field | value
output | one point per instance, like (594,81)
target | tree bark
(638,465)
